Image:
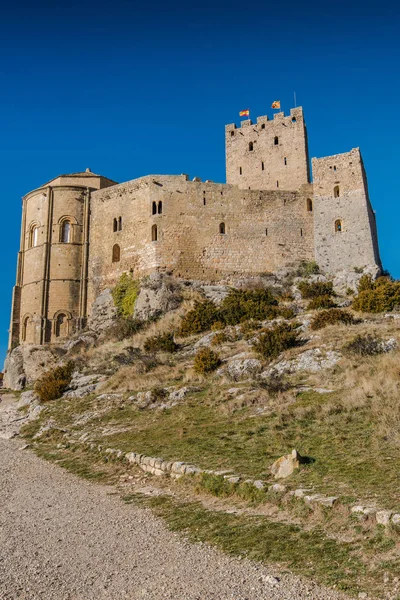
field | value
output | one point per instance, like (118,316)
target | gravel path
(67,539)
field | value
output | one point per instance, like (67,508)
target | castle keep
(81,231)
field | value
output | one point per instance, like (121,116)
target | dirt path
(64,538)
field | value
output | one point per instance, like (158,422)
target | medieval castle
(81,231)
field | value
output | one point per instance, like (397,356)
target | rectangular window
(262,166)
(240,170)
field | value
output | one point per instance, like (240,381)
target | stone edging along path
(176,469)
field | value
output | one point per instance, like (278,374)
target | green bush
(124,295)
(380,295)
(307,268)
(314,289)
(364,345)
(274,341)
(332,316)
(53,384)
(200,318)
(242,305)
(161,342)
(206,360)
(321,302)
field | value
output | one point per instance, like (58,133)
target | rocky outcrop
(312,360)
(158,294)
(285,465)
(103,312)
(26,363)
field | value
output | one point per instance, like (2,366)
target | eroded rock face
(312,360)
(157,296)
(243,368)
(26,363)
(103,312)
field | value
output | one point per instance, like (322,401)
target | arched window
(338,226)
(154,233)
(27,330)
(119,223)
(115,225)
(154,208)
(61,325)
(276,140)
(159,208)
(222,228)
(251,146)
(336,191)
(309,205)
(33,236)
(293,119)
(116,253)
(65,232)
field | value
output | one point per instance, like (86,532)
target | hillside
(210,385)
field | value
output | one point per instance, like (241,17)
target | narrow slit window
(266,232)
(154,208)
(159,208)
(66,232)
(338,226)
(116,253)
(120,224)
(204,200)
(276,140)
(262,166)
(251,146)
(309,205)
(115,225)
(240,170)
(222,228)
(301,233)
(277,184)
(154,233)
(285,161)
(336,191)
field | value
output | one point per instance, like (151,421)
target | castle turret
(49,300)
(268,155)
(344,222)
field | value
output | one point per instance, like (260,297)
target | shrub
(380,295)
(274,341)
(123,328)
(307,268)
(161,342)
(200,318)
(275,384)
(206,360)
(242,305)
(364,345)
(124,295)
(314,289)
(332,316)
(321,302)
(219,338)
(248,327)
(217,326)
(53,384)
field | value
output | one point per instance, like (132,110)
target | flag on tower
(276,104)
(244,113)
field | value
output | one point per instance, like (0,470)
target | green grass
(347,460)
(347,566)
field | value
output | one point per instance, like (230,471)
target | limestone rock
(285,465)
(243,368)
(312,360)
(383,517)
(157,295)
(396,519)
(103,312)
(277,488)
(26,363)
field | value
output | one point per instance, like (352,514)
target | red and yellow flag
(276,104)
(244,113)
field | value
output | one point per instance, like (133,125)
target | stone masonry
(80,232)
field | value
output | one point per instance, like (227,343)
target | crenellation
(80,232)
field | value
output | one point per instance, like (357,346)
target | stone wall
(205,231)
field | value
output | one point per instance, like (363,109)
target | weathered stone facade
(81,231)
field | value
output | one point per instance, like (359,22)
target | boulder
(158,295)
(243,368)
(285,465)
(312,360)
(383,517)
(103,312)
(26,363)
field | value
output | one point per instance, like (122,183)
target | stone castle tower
(81,231)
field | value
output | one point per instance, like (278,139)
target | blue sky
(129,89)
